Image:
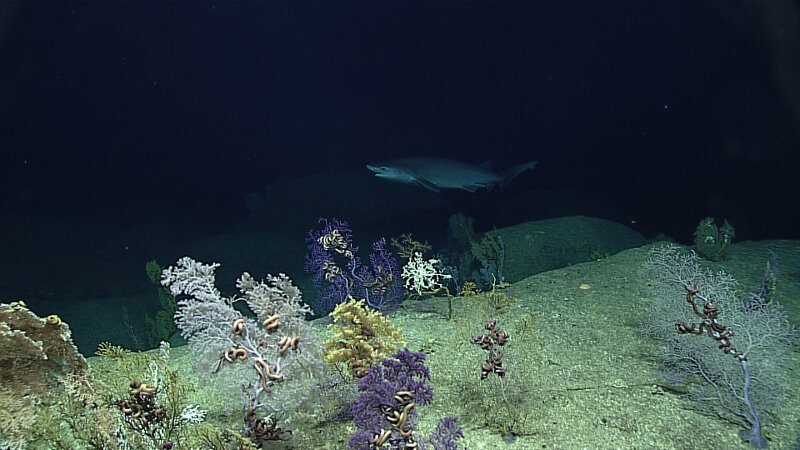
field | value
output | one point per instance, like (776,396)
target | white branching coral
(423,276)
(192,278)
(274,295)
(203,315)
(270,343)
(192,414)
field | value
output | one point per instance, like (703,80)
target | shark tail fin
(512,172)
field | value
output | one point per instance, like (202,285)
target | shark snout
(380,171)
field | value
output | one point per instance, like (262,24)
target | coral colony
(259,345)
(213,326)
(741,384)
(423,276)
(490,342)
(336,269)
(385,412)
(362,337)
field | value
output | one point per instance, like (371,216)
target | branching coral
(161,326)
(149,396)
(280,346)
(386,413)
(143,412)
(335,267)
(491,254)
(505,371)
(361,338)
(742,382)
(424,276)
(711,241)
(490,342)
(406,246)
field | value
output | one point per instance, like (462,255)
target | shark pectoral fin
(427,184)
(470,188)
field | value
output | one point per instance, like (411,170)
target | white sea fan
(192,278)
(274,295)
(743,384)
(206,319)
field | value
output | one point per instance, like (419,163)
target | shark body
(440,173)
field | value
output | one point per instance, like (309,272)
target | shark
(436,174)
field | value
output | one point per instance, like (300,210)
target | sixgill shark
(439,173)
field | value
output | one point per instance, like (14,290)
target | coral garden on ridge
(652,347)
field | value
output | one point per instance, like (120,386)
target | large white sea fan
(274,295)
(203,316)
(206,319)
(192,278)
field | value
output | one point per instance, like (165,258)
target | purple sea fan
(446,434)
(384,284)
(331,257)
(334,241)
(335,268)
(378,389)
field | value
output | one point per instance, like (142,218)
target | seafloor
(592,374)
(582,376)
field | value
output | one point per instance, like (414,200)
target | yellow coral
(361,338)
(469,288)
(109,350)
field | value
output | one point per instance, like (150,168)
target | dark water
(131,129)
(140,131)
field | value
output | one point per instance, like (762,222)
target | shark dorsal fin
(486,164)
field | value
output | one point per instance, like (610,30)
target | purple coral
(333,263)
(320,255)
(328,248)
(446,434)
(378,392)
(398,384)
(383,287)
